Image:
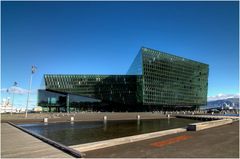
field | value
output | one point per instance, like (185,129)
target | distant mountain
(229,102)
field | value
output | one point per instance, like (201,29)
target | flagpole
(12,103)
(15,84)
(6,100)
(30,87)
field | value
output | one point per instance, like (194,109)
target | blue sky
(104,38)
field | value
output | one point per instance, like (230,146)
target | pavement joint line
(57,145)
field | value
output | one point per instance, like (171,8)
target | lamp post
(14,84)
(34,68)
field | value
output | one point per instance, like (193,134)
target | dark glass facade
(155,81)
(172,81)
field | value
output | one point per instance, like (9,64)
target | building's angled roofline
(143,47)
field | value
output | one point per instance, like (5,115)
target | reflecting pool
(83,132)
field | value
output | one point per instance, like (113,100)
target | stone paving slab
(18,144)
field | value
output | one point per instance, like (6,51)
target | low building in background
(155,81)
(37,109)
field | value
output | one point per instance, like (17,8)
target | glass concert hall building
(155,81)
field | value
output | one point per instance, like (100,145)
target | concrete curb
(208,117)
(124,140)
(209,124)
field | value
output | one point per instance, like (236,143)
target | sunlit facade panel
(170,80)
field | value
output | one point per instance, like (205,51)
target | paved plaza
(218,142)
(18,144)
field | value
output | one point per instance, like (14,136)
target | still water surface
(83,132)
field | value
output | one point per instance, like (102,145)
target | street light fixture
(34,68)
